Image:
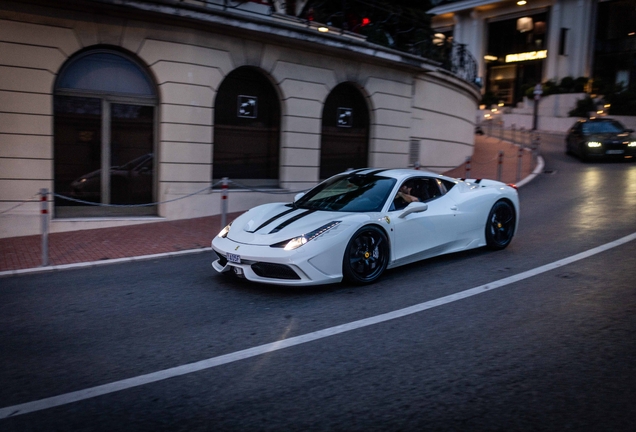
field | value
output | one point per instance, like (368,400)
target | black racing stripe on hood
(269,221)
(291,221)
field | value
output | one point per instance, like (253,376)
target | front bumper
(303,266)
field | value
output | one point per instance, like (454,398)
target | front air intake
(274,271)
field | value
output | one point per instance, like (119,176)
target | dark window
(246,129)
(563,39)
(104,121)
(424,189)
(345,131)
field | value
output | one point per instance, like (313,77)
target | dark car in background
(130,183)
(600,138)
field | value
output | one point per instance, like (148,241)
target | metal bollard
(499,164)
(535,147)
(44,216)
(224,196)
(514,133)
(521,134)
(467,168)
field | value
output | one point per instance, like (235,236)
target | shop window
(104,137)
(345,131)
(563,41)
(246,130)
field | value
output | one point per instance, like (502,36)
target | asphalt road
(555,351)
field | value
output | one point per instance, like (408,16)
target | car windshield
(602,127)
(349,193)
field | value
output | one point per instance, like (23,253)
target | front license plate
(615,152)
(233,258)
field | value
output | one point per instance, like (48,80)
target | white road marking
(92,392)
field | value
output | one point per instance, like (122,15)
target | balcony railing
(380,23)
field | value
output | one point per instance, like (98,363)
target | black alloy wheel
(500,226)
(366,255)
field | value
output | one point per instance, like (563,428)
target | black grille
(274,271)
(614,145)
(222,258)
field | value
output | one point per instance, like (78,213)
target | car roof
(396,173)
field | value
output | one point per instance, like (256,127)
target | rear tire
(366,255)
(500,226)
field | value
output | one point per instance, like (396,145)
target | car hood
(273,223)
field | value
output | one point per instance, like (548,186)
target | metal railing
(381,23)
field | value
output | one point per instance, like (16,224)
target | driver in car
(404,197)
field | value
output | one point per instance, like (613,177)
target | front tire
(366,255)
(500,226)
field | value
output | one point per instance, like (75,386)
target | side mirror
(414,207)
(299,196)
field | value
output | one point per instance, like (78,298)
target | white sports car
(359,223)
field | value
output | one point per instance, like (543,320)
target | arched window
(345,131)
(246,129)
(104,143)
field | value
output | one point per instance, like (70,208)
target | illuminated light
(224,232)
(524,24)
(487,115)
(439,39)
(631,33)
(482,107)
(532,55)
(594,144)
(494,110)
(632,144)
(295,243)
(607,106)
(323,29)
(599,112)
(490,58)
(365,21)
(521,2)
(500,104)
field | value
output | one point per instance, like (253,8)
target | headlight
(225,231)
(594,144)
(297,242)
(632,144)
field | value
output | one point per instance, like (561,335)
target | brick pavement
(191,234)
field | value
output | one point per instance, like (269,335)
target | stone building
(130,111)
(518,43)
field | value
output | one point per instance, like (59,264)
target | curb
(537,170)
(53,268)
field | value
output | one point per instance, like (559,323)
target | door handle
(454,208)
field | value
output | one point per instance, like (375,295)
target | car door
(428,233)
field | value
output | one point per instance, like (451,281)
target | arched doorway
(246,130)
(104,136)
(345,131)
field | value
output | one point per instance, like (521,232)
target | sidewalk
(184,236)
